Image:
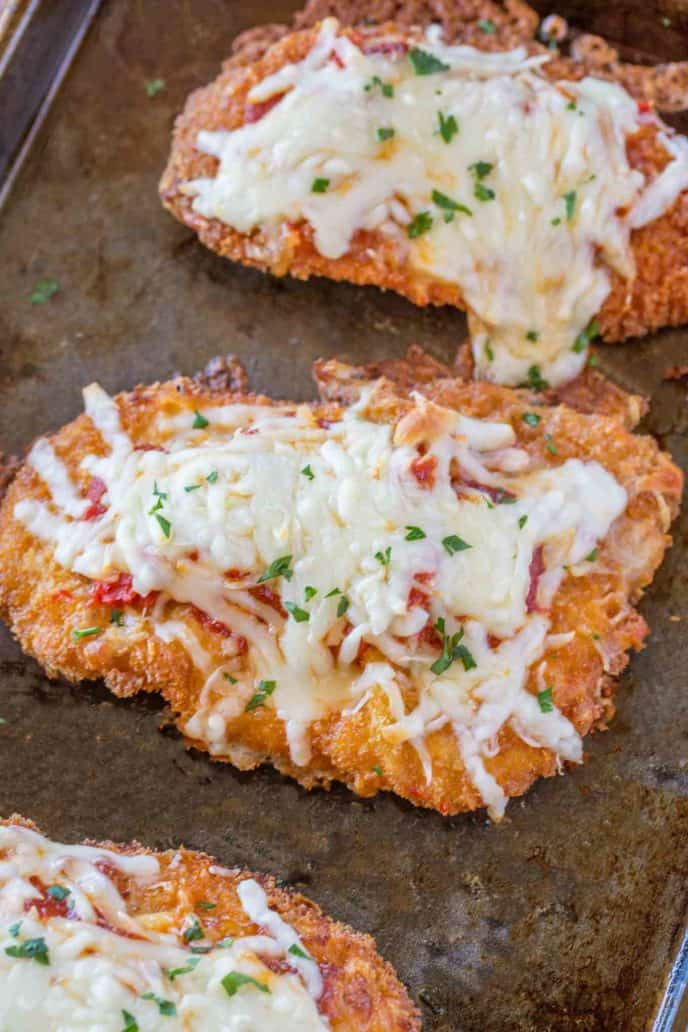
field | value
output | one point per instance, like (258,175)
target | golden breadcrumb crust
(658,296)
(43,602)
(361,991)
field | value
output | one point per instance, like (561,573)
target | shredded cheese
(484,174)
(433,522)
(88,964)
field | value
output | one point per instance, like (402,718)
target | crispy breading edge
(360,985)
(657,297)
(42,610)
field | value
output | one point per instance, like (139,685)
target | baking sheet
(566,916)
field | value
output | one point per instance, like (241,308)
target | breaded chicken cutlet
(120,938)
(551,205)
(420,584)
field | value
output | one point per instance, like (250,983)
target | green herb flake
(32,949)
(233,982)
(550,446)
(522,520)
(586,336)
(212,477)
(572,105)
(384,557)
(481,169)
(280,567)
(531,418)
(596,636)
(453,544)
(300,615)
(544,699)
(532,335)
(296,951)
(204,905)
(308,472)
(166,1007)
(448,126)
(43,291)
(483,193)
(130,1022)
(570,204)
(489,351)
(265,689)
(117,617)
(224,944)
(536,380)
(309,592)
(385,133)
(200,422)
(58,892)
(191,487)
(165,525)
(452,649)
(419,224)
(154,86)
(335,591)
(85,632)
(343,605)
(377,769)
(320,185)
(194,930)
(414,534)
(487,26)
(14,929)
(594,361)
(592,556)
(424,63)
(228,677)
(449,204)
(555,222)
(173,973)
(202,950)
(386,88)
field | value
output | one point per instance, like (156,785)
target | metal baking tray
(567,916)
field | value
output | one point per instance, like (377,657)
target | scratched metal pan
(568,916)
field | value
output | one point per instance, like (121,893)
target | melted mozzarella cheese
(371,555)
(539,170)
(91,974)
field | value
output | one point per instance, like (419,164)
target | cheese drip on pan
(73,957)
(433,540)
(484,173)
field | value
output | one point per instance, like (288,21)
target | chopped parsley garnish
(550,446)
(426,64)
(385,133)
(309,592)
(503,497)
(308,472)
(193,931)
(265,689)
(449,127)
(191,487)
(419,224)
(544,699)
(594,361)
(586,336)
(130,1022)
(522,520)
(531,418)
(570,203)
(386,88)
(224,944)
(32,949)
(117,617)
(296,951)
(454,544)
(233,982)
(300,615)
(14,929)
(415,534)
(166,1007)
(377,769)
(200,422)
(85,632)
(228,677)
(532,335)
(201,950)
(204,905)
(489,353)
(58,892)
(165,525)
(448,203)
(592,556)
(536,380)
(280,567)
(343,605)
(483,193)
(335,591)
(384,557)
(154,86)
(320,185)
(43,291)
(452,649)
(480,169)
(555,222)
(156,508)
(486,25)
(212,477)
(173,973)
(571,106)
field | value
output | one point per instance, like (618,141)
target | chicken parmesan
(120,939)
(551,209)
(426,591)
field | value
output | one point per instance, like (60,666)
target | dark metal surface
(568,914)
